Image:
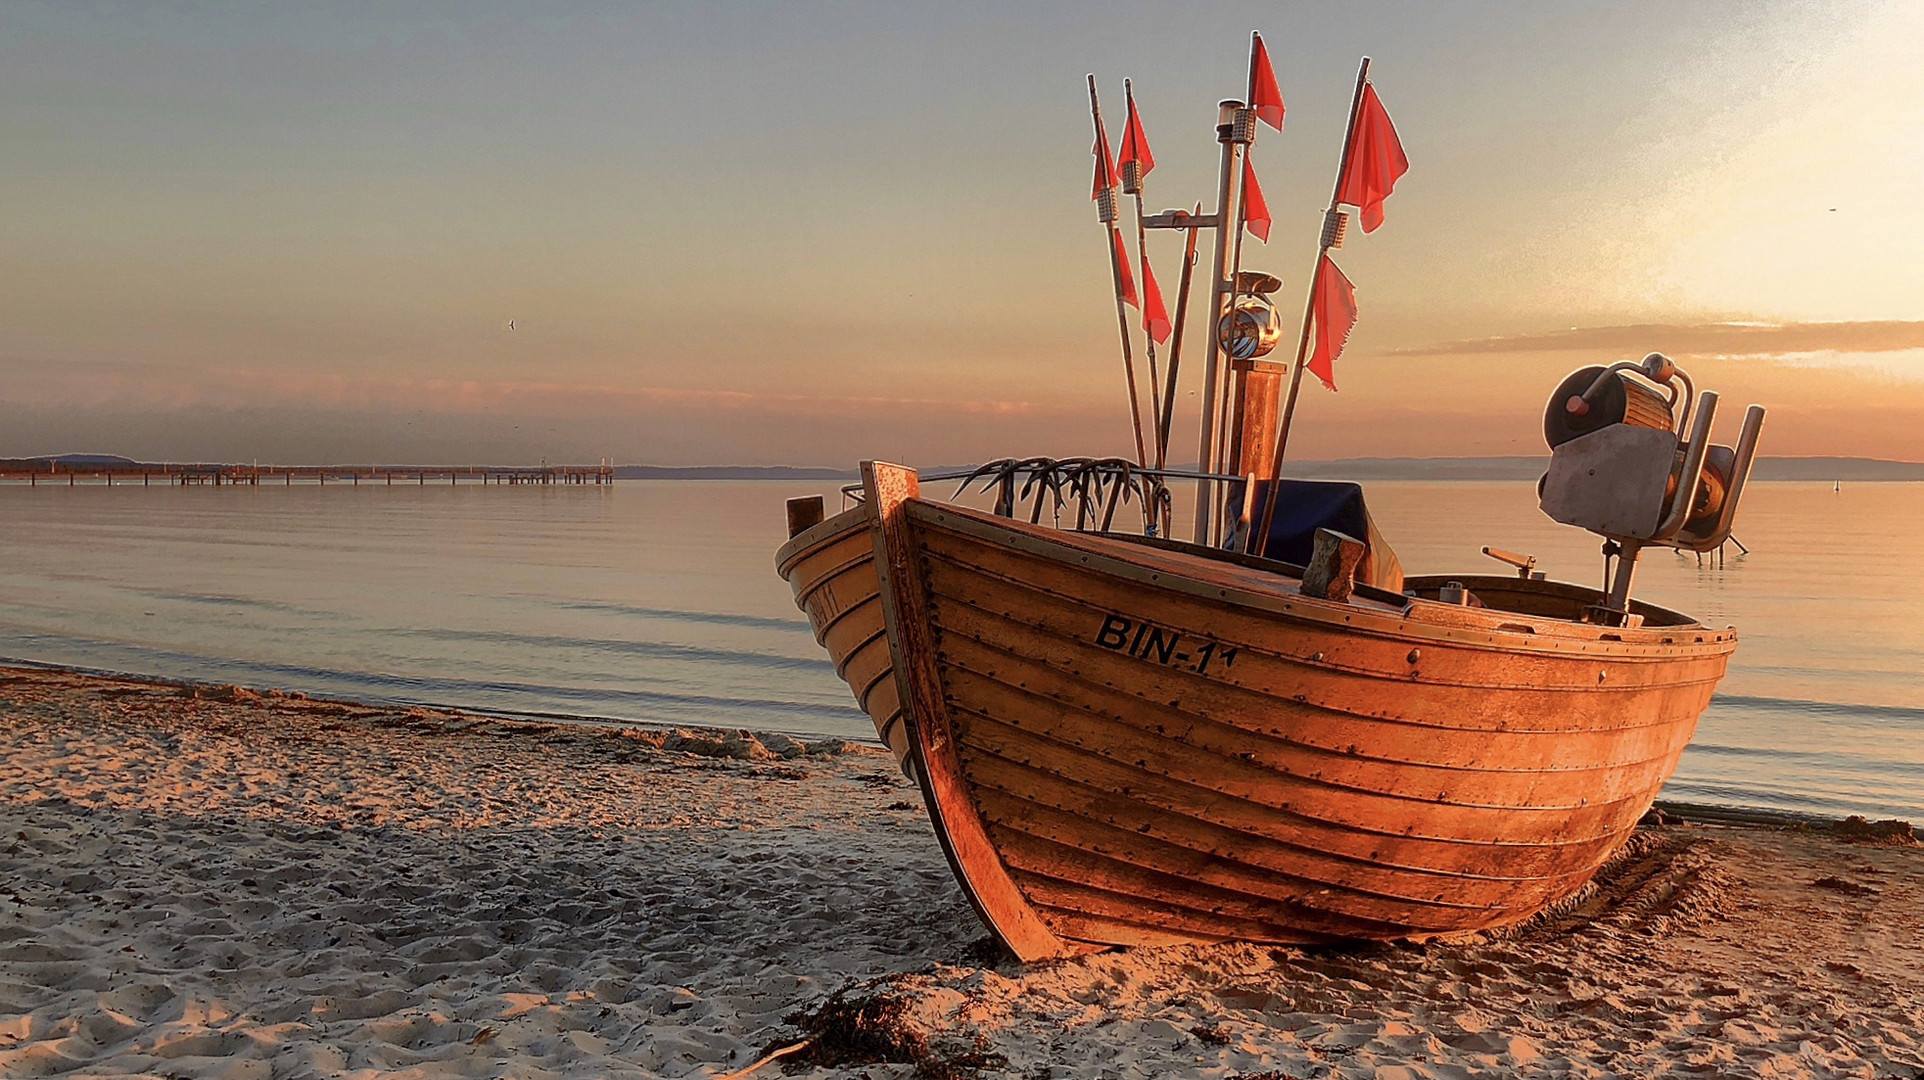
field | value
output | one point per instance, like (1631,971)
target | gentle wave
(1821,708)
(679,615)
(658,650)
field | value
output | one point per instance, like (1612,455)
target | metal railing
(1089,492)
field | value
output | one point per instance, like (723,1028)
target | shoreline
(1696,813)
(211,882)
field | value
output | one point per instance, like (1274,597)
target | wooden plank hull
(1129,744)
(831,569)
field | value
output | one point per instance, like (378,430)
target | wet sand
(218,883)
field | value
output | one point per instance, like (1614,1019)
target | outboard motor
(1622,466)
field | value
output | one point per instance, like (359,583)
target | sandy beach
(211,882)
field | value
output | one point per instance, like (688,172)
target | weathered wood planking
(831,568)
(1127,743)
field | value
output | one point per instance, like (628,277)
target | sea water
(658,602)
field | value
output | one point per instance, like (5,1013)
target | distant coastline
(1854,469)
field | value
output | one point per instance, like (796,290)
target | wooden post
(804,513)
(1331,573)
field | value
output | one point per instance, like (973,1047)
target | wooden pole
(1168,417)
(1113,236)
(1309,311)
(1132,184)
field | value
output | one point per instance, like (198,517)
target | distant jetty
(75,469)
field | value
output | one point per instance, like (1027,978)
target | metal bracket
(1180,219)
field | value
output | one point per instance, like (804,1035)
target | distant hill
(1855,469)
(1529,468)
(1467,468)
(1836,468)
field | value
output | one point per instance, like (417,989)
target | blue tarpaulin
(1302,507)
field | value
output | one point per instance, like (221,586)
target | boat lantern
(1252,327)
(1631,460)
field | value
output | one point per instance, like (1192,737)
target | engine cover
(1612,481)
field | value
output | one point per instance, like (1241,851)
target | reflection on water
(658,601)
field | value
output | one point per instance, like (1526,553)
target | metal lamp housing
(1252,328)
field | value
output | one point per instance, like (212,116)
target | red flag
(1255,209)
(1125,284)
(1264,97)
(1376,161)
(1105,164)
(1135,145)
(1335,318)
(1155,317)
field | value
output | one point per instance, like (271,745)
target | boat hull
(1124,744)
(830,567)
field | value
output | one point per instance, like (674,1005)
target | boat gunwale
(824,530)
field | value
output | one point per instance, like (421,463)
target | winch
(1623,467)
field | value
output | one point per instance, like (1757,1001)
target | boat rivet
(1601,675)
(1415,655)
(1318,656)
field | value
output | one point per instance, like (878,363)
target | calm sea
(658,602)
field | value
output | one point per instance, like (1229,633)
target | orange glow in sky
(763,235)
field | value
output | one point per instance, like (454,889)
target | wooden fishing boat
(1267,733)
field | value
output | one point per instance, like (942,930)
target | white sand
(203,888)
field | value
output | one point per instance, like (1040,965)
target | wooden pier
(35,472)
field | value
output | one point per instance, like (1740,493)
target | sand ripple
(215,886)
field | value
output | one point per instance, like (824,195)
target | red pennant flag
(1255,209)
(1335,318)
(1135,144)
(1155,317)
(1125,284)
(1264,97)
(1376,161)
(1105,165)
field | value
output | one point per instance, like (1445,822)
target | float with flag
(1263,730)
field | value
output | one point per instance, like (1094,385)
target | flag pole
(1168,416)
(1106,209)
(1132,184)
(1332,236)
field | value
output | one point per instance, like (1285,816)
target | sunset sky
(812,233)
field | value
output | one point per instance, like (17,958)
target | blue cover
(1302,507)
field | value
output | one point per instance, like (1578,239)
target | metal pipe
(1619,598)
(1693,469)
(1739,475)
(1225,221)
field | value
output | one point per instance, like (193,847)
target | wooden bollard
(804,513)
(1331,573)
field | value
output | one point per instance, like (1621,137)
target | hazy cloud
(1699,339)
